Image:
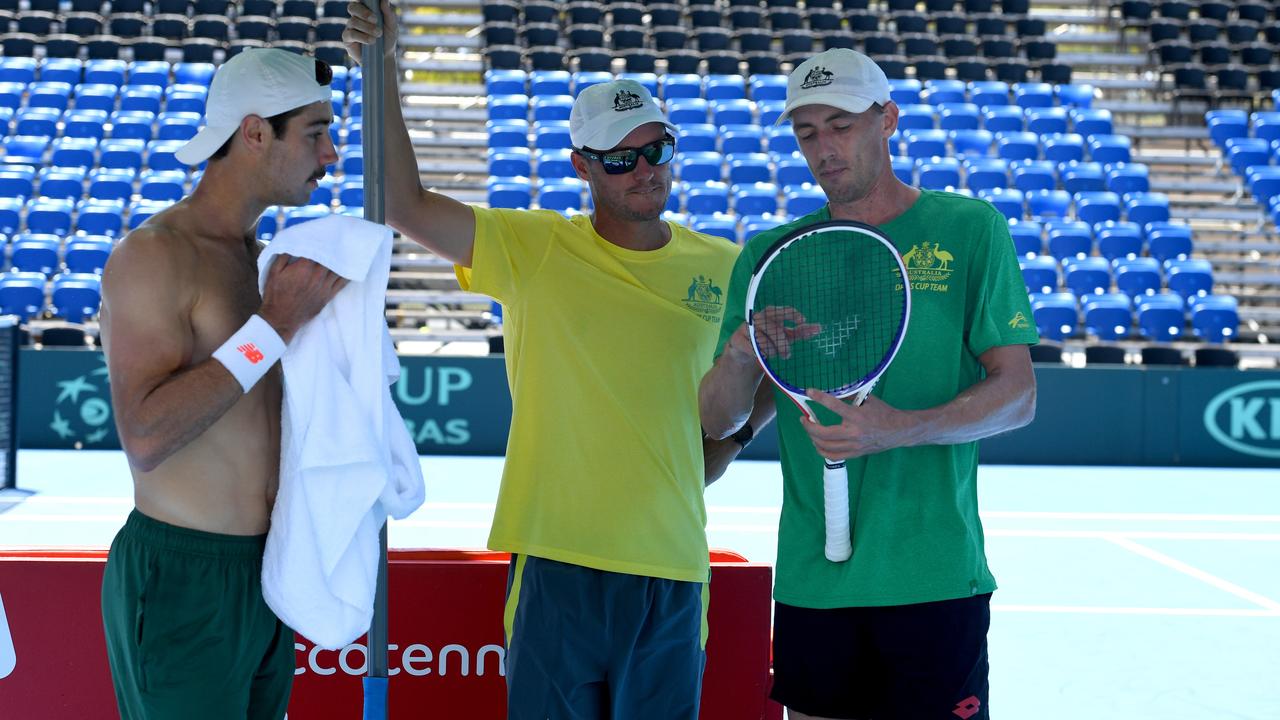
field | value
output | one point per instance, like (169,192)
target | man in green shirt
(899,630)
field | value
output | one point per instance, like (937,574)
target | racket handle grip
(835,492)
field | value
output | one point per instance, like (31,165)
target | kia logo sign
(1246,418)
(8,658)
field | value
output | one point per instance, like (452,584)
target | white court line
(1197,573)
(1089,610)
(1139,534)
(1137,517)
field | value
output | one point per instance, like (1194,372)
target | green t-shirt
(917,536)
(605,348)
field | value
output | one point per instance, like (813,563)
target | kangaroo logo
(817,77)
(626,100)
(8,658)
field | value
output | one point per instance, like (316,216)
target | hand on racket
(865,428)
(827,309)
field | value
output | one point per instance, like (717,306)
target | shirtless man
(188,632)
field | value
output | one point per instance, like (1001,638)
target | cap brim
(843,101)
(205,143)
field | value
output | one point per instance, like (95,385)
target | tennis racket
(827,309)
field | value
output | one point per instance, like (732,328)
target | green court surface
(1125,593)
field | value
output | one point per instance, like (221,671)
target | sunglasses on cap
(324,73)
(624,160)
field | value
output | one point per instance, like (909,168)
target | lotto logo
(967,708)
(251,353)
(8,658)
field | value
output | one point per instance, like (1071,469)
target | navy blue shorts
(902,662)
(585,644)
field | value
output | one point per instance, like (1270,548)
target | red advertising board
(446,657)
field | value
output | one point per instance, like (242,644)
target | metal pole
(373,91)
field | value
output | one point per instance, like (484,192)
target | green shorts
(188,633)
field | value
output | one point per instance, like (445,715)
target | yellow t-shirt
(605,349)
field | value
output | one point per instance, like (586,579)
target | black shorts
(903,662)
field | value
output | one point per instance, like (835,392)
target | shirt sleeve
(1001,308)
(510,247)
(735,301)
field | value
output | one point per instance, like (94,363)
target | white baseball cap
(838,77)
(259,81)
(606,113)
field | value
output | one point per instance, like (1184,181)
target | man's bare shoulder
(157,246)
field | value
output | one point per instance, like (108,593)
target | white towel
(346,458)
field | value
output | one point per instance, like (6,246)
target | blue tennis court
(1125,593)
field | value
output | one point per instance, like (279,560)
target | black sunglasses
(324,73)
(623,160)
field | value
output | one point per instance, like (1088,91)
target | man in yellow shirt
(611,320)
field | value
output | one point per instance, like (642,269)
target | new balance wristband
(251,351)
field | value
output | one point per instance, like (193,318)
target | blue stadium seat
(508,133)
(1119,240)
(905,91)
(190,73)
(1137,276)
(100,217)
(354,132)
(793,170)
(64,183)
(504,82)
(674,198)
(1009,201)
(1098,207)
(177,125)
(22,294)
(160,155)
(552,135)
(681,85)
(1033,95)
(351,160)
(1087,275)
(1056,314)
(1091,122)
(732,112)
(1245,152)
(1108,316)
(143,209)
(1031,175)
(17,70)
(1109,149)
(1146,207)
(1078,177)
(721,225)
(132,124)
(926,143)
(985,173)
(938,91)
(554,163)
(11,215)
(781,139)
(1190,277)
(1069,239)
(1161,316)
(97,96)
(1028,240)
(1040,273)
(25,150)
(804,199)
(754,225)
(582,80)
(1013,145)
(647,79)
(76,296)
(185,98)
(769,112)
(748,168)
(81,123)
(50,216)
(916,117)
(87,253)
(111,183)
(1226,124)
(110,72)
(1002,118)
(1075,96)
(706,198)
(1266,125)
(35,253)
(768,87)
(1215,318)
(938,173)
(351,191)
(759,198)
(959,116)
(560,194)
(697,137)
(1064,147)
(972,142)
(145,98)
(338,102)
(306,213)
(508,193)
(743,138)
(1048,204)
(149,72)
(905,169)
(56,95)
(11,94)
(505,107)
(1125,178)
(37,122)
(322,195)
(6,116)
(700,166)
(989,93)
(725,87)
(1047,120)
(17,181)
(167,185)
(1264,183)
(121,153)
(549,107)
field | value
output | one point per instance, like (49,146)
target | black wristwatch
(744,435)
